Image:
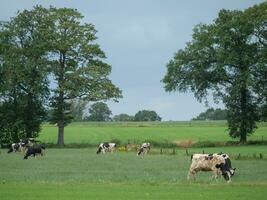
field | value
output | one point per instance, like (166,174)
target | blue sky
(139,37)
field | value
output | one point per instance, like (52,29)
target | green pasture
(81,174)
(160,132)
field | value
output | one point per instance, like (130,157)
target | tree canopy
(99,111)
(123,118)
(212,114)
(146,115)
(23,73)
(53,42)
(226,58)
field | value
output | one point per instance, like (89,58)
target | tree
(147,115)
(77,109)
(23,68)
(78,65)
(99,112)
(228,59)
(212,114)
(123,118)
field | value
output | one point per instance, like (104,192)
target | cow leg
(191,173)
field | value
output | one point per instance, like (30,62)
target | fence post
(173,151)
(186,151)
(161,151)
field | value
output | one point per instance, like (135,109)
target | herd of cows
(218,163)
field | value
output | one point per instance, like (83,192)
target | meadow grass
(78,173)
(81,174)
(159,132)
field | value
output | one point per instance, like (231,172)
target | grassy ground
(81,174)
(163,132)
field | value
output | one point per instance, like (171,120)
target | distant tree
(99,112)
(77,65)
(212,114)
(228,59)
(77,109)
(147,115)
(23,73)
(123,118)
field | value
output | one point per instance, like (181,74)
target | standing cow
(14,147)
(144,149)
(218,164)
(34,150)
(21,145)
(106,147)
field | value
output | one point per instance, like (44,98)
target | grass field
(78,173)
(81,174)
(160,132)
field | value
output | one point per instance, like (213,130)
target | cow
(28,141)
(21,145)
(218,164)
(34,150)
(106,147)
(14,147)
(144,149)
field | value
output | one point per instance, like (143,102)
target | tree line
(100,111)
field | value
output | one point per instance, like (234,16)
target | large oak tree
(78,65)
(228,59)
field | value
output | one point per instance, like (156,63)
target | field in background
(160,132)
(81,174)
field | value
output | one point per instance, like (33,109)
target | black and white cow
(14,147)
(21,146)
(144,149)
(28,141)
(106,147)
(38,149)
(218,164)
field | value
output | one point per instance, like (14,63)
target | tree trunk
(29,116)
(61,123)
(60,140)
(243,125)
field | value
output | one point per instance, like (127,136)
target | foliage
(212,114)
(77,109)
(123,118)
(24,70)
(228,59)
(146,115)
(99,112)
(77,65)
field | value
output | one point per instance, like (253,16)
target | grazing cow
(34,150)
(15,147)
(28,141)
(144,149)
(218,164)
(106,147)
(21,146)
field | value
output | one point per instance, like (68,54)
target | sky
(139,37)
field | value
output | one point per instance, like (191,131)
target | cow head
(227,172)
